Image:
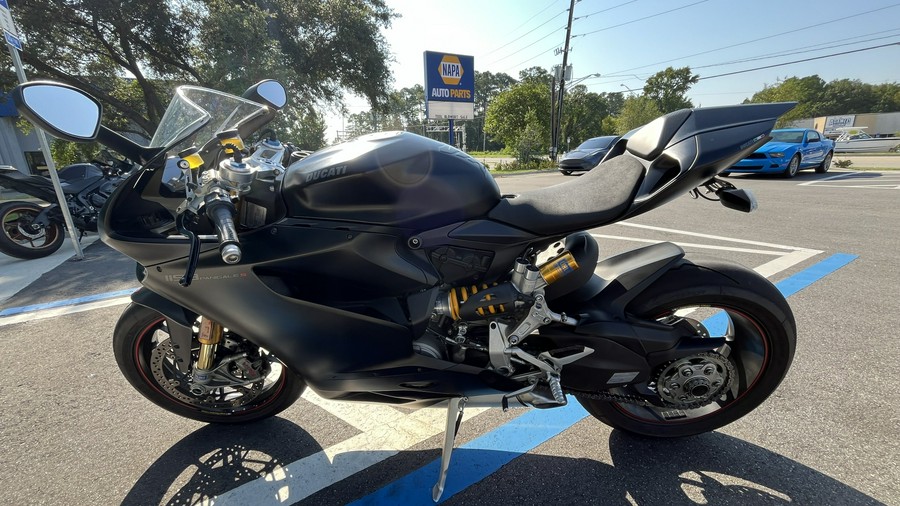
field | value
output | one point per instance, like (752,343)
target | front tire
(754,318)
(825,165)
(20,238)
(144,354)
(793,167)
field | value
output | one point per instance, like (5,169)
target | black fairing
(396,179)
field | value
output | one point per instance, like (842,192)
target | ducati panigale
(391,269)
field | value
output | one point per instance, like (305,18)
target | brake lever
(193,256)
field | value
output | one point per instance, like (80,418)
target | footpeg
(454,419)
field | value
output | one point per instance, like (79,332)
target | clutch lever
(193,256)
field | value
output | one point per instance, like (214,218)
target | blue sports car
(789,151)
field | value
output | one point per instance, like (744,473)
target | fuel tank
(396,179)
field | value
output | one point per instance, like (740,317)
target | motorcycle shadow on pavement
(218,458)
(711,468)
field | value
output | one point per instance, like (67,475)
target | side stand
(454,418)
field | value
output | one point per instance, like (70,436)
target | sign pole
(451,133)
(48,157)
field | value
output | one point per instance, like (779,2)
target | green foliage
(516,165)
(668,88)
(586,115)
(530,143)
(637,111)
(487,86)
(816,98)
(66,153)
(508,115)
(843,164)
(317,49)
(536,75)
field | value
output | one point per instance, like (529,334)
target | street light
(627,88)
(576,81)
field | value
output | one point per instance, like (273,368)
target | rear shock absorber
(460,295)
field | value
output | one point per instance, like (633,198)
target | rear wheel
(248,383)
(566,172)
(710,389)
(21,237)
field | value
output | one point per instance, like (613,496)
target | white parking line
(879,181)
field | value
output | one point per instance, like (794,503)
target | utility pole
(553,113)
(562,82)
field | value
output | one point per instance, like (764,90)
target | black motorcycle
(391,269)
(33,231)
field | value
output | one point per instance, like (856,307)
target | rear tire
(20,239)
(566,172)
(761,347)
(140,345)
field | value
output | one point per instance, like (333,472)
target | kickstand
(454,418)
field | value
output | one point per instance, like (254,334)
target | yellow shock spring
(461,294)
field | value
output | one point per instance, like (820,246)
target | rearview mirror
(268,92)
(62,110)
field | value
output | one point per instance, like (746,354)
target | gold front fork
(210,335)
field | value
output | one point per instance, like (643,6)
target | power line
(519,38)
(641,19)
(799,50)
(604,10)
(529,45)
(800,61)
(782,33)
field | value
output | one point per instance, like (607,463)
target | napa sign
(449,86)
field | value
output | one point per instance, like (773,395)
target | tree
(808,92)
(487,86)
(507,114)
(668,88)
(637,111)
(311,132)
(583,116)
(317,49)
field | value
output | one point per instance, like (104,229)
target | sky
(626,41)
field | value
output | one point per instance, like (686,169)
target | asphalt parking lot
(74,432)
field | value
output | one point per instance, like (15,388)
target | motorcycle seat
(591,200)
(598,197)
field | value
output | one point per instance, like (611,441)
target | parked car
(587,155)
(789,151)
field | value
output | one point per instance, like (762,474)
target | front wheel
(708,390)
(825,165)
(251,384)
(793,167)
(22,238)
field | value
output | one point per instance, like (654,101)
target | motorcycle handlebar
(221,212)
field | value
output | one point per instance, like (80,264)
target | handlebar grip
(221,212)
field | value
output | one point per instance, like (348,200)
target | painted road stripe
(496,448)
(63,311)
(383,437)
(67,302)
(793,284)
(480,457)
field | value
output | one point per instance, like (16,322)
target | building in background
(18,149)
